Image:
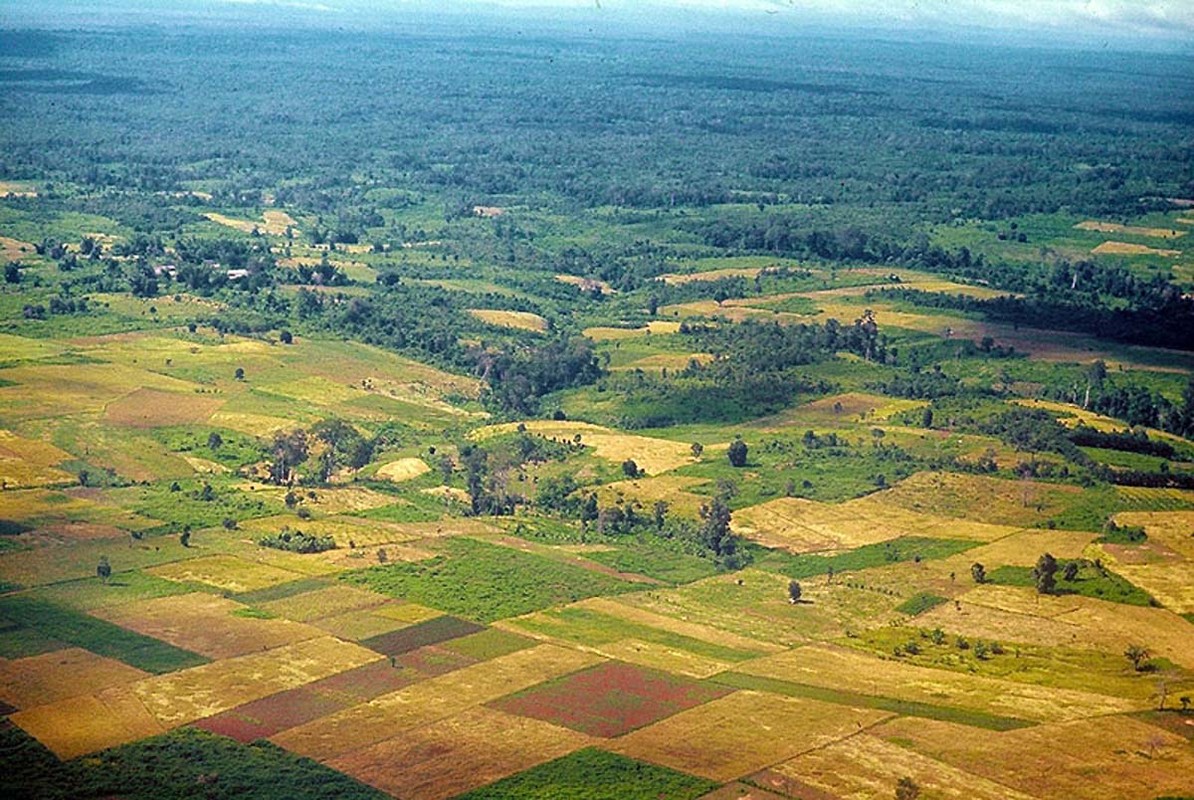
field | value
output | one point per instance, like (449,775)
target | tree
(12,272)
(103,569)
(794,592)
(715,532)
(697,449)
(629,468)
(1070,573)
(907,789)
(214,441)
(342,442)
(185,538)
(288,451)
(1045,573)
(737,453)
(978,572)
(1138,655)
(239,374)
(926,420)
(660,514)
(286,337)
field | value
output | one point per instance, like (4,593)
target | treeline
(1168,324)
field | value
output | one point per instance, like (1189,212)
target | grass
(102,638)
(281,591)
(593,774)
(486,582)
(910,708)
(592,628)
(186,506)
(656,562)
(920,603)
(1089,583)
(906,548)
(186,763)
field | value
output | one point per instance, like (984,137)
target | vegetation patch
(433,631)
(100,637)
(1089,581)
(593,774)
(485,582)
(920,603)
(610,699)
(908,548)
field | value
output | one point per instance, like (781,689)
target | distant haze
(1167,24)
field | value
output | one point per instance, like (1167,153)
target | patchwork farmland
(560,414)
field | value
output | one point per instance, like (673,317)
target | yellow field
(404,469)
(454,755)
(147,408)
(1173,529)
(1024,548)
(181,697)
(671,488)
(651,455)
(435,699)
(1131,230)
(675,279)
(1171,584)
(1126,249)
(225,572)
(26,463)
(50,677)
(364,532)
(252,424)
(806,526)
(359,624)
(323,603)
(14,249)
(316,390)
(704,633)
(17,189)
(662,361)
(272,222)
(328,499)
(661,327)
(519,320)
(742,733)
(831,667)
(54,390)
(978,498)
(1096,623)
(1107,758)
(89,723)
(864,767)
(849,407)
(205,624)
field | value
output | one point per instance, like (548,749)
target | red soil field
(269,715)
(610,699)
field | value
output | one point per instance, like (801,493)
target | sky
(1160,22)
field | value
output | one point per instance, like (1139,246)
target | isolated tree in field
(978,572)
(926,421)
(103,569)
(288,451)
(715,531)
(660,514)
(239,374)
(907,789)
(1045,574)
(185,537)
(1185,701)
(737,453)
(629,468)
(697,449)
(1138,655)
(794,592)
(286,337)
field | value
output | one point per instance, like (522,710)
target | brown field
(434,699)
(650,454)
(1131,230)
(54,390)
(404,469)
(181,697)
(50,677)
(979,498)
(743,733)
(147,408)
(1126,249)
(864,767)
(225,572)
(14,249)
(1106,758)
(587,284)
(519,320)
(206,624)
(89,723)
(26,463)
(327,602)
(832,667)
(329,500)
(363,532)
(453,755)
(272,222)
(1096,623)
